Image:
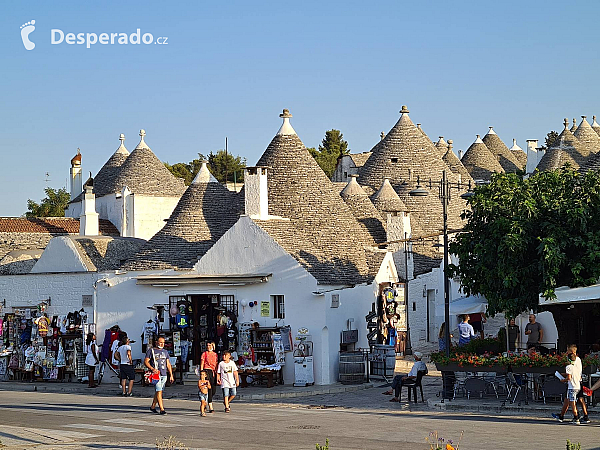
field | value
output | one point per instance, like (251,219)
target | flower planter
(454,367)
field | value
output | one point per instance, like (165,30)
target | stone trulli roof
(145,174)
(423,133)
(519,154)
(387,200)
(503,155)
(204,213)
(574,127)
(359,158)
(567,143)
(441,145)
(455,165)
(555,158)
(589,139)
(480,162)
(403,156)
(299,190)
(364,211)
(596,126)
(106,176)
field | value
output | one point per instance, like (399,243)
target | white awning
(464,305)
(586,294)
(222,280)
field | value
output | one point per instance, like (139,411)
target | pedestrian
(227,378)
(157,360)
(442,337)
(535,332)
(204,387)
(577,370)
(91,358)
(513,335)
(126,370)
(465,331)
(400,380)
(208,362)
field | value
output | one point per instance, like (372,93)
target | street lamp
(445,187)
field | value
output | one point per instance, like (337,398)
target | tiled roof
(50,225)
(480,162)
(204,213)
(501,152)
(106,176)
(364,211)
(402,156)
(145,174)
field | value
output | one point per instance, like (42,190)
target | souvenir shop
(36,346)
(391,317)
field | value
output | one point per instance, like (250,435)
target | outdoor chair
(516,383)
(459,384)
(414,384)
(553,388)
(476,385)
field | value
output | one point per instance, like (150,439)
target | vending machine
(304,374)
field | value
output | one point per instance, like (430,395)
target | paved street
(353,420)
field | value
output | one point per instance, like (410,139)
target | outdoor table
(271,376)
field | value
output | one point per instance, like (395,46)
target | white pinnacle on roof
(142,144)
(595,125)
(491,130)
(286,127)
(515,146)
(122,148)
(478,140)
(204,175)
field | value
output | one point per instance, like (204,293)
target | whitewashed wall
(64,289)
(344,168)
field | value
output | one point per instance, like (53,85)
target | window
(278,306)
(394,160)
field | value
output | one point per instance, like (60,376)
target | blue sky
(229,68)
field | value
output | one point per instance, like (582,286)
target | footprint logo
(26,30)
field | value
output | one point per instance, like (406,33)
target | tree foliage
(550,139)
(218,165)
(333,146)
(528,237)
(53,205)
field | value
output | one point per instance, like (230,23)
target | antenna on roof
(226,161)
(47,179)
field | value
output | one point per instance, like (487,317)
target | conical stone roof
(567,142)
(364,211)
(300,191)
(589,139)
(145,174)
(455,165)
(564,150)
(574,127)
(441,145)
(519,154)
(106,176)
(403,156)
(204,213)
(480,162)
(423,133)
(596,126)
(387,200)
(501,152)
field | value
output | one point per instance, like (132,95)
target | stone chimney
(75,172)
(533,155)
(256,192)
(88,221)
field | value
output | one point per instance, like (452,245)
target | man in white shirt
(574,393)
(400,380)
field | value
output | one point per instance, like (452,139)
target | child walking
(227,378)
(203,388)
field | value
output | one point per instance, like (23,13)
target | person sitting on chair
(400,380)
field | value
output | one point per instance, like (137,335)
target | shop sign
(265,309)
(87,300)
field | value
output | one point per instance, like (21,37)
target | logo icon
(26,30)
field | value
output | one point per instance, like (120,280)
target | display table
(272,377)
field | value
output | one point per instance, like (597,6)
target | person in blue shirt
(442,337)
(465,331)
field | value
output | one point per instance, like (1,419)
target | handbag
(149,376)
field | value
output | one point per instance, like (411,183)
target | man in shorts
(157,360)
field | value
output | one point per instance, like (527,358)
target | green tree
(53,205)
(528,237)
(550,140)
(218,164)
(331,149)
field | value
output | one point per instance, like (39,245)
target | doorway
(431,328)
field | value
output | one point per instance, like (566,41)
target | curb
(533,407)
